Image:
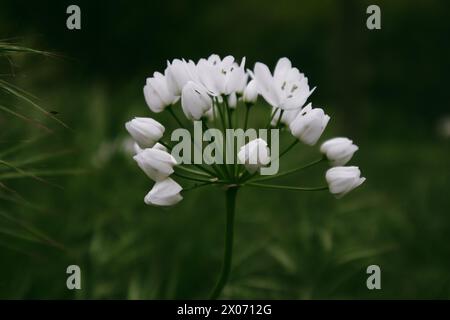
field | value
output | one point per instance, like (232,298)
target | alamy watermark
(373,21)
(374,280)
(74,279)
(73,21)
(223,149)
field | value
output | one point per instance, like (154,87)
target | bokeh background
(386,89)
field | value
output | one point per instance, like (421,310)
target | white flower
(178,73)
(222,76)
(342,180)
(236,78)
(309,124)
(250,93)
(338,150)
(286,118)
(286,89)
(195,101)
(164,193)
(156,164)
(157,93)
(145,131)
(254,155)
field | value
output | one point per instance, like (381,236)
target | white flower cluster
(199,85)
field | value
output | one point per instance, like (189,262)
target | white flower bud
(156,164)
(250,93)
(195,101)
(145,131)
(342,180)
(254,155)
(339,151)
(309,125)
(164,193)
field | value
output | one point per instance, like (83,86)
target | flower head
(212,89)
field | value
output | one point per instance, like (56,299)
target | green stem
(271,118)
(193,178)
(247,111)
(216,167)
(247,176)
(279,118)
(228,110)
(200,173)
(224,126)
(290,171)
(221,115)
(175,117)
(288,148)
(228,252)
(206,171)
(273,186)
(196,186)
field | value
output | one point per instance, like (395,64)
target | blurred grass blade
(8,48)
(19,172)
(41,157)
(17,93)
(37,174)
(20,116)
(20,146)
(32,230)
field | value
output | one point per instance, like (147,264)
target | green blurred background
(386,89)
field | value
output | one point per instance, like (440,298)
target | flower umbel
(219,94)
